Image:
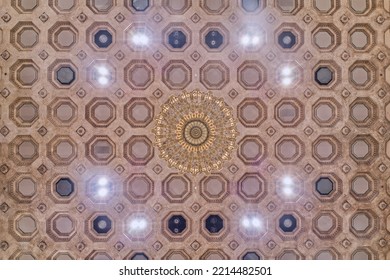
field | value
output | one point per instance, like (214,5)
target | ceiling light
(288,191)
(252,222)
(287,81)
(138,224)
(103,181)
(102,75)
(287,181)
(103,81)
(287,75)
(250,40)
(101,70)
(255,40)
(245,40)
(288,187)
(140,39)
(102,192)
(287,71)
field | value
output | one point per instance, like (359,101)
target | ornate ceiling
(87,171)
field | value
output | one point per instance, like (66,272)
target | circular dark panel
(250,5)
(64,187)
(177,224)
(102,224)
(214,223)
(140,5)
(324,186)
(65,75)
(103,38)
(139,257)
(288,223)
(251,256)
(287,39)
(214,39)
(323,76)
(177,39)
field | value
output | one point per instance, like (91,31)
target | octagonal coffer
(61,226)
(289,6)
(326,7)
(214,74)
(288,223)
(177,36)
(138,256)
(101,6)
(289,149)
(139,74)
(25,6)
(176,7)
(23,226)
(327,74)
(23,188)
(62,73)
(326,37)
(361,7)
(139,112)
(23,150)
(327,112)
(24,111)
(215,37)
(214,223)
(62,6)
(138,5)
(252,112)
(177,224)
(24,73)
(100,112)
(101,36)
(213,7)
(327,187)
(214,188)
(363,74)
(99,227)
(289,37)
(102,224)
(63,36)
(176,188)
(24,35)
(251,256)
(327,224)
(177,74)
(364,187)
(62,111)
(214,226)
(252,6)
(138,188)
(252,150)
(64,187)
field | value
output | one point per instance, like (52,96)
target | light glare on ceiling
(140,39)
(138,224)
(103,181)
(249,40)
(287,75)
(252,222)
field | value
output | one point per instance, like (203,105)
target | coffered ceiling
(278,149)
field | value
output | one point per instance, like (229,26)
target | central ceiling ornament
(195,132)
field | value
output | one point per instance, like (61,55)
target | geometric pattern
(81,86)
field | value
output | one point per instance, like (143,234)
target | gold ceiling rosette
(195,132)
